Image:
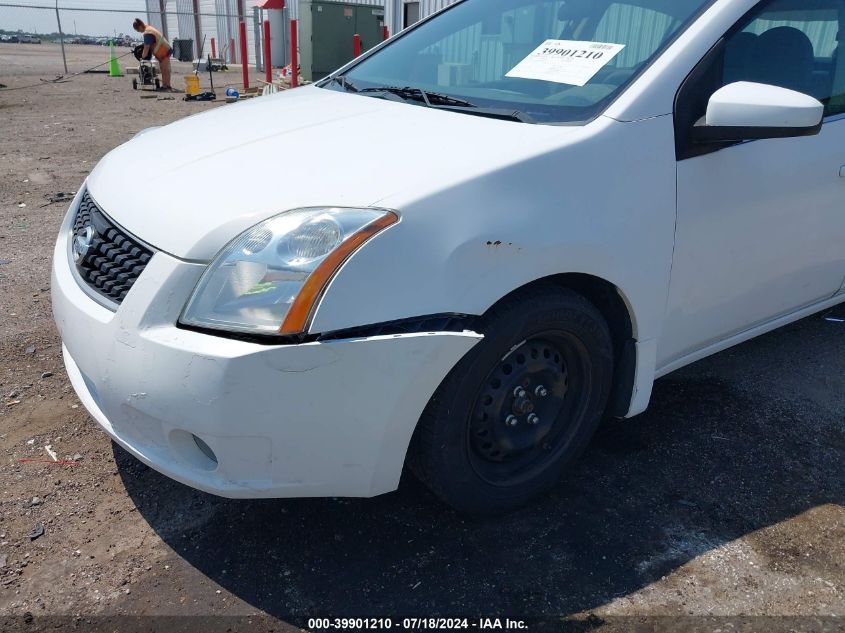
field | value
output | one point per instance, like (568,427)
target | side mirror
(746,111)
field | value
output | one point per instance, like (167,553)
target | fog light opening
(192,450)
(206,449)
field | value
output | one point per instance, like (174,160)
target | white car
(461,250)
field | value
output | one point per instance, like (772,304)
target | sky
(82,22)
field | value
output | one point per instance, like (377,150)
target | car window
(471,52)
(792,44)
(643,28)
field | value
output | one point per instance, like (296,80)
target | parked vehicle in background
(551,203)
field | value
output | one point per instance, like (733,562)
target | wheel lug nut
(541,391)
(519,392)
(533,419)
(511,420)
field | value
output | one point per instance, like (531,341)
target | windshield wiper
(417,94)
(505,114)
(437,100)
(344,83)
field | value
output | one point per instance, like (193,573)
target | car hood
(192,186)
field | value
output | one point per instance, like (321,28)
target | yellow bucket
(192,85)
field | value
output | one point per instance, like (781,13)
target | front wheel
(520,407)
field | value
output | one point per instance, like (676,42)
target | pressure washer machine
(148,71)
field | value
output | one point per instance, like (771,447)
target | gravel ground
(724,500)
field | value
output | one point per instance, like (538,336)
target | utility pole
(61,35)
(197,27)
(162,5)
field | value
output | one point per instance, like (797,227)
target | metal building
(201,20)
(403,13)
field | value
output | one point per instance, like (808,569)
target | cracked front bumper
(317,419)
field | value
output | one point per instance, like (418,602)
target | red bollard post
(214,48)
(356,45)
(294,56)
(232,59)
(386,32)
(268,71)
(244,58)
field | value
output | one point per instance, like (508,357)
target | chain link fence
(66,32)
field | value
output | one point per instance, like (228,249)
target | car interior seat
(574,13)
(782,56)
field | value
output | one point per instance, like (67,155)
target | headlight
(269,279)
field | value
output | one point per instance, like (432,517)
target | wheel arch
(432,455)
(618,312)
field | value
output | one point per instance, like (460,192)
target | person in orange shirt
(155,45)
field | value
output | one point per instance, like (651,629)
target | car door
(760,225)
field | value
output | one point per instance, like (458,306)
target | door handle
(842,171)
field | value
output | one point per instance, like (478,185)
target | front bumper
(317,419)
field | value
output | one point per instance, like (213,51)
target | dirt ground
(721,508)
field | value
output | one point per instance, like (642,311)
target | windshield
(555,61)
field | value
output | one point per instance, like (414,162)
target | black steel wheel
(522,416)
(520,407)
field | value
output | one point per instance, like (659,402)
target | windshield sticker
(566,61)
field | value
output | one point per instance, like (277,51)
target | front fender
(604,206)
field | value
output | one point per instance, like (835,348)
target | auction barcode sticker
(566,61)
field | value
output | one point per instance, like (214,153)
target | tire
(134,84)
(546,351)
